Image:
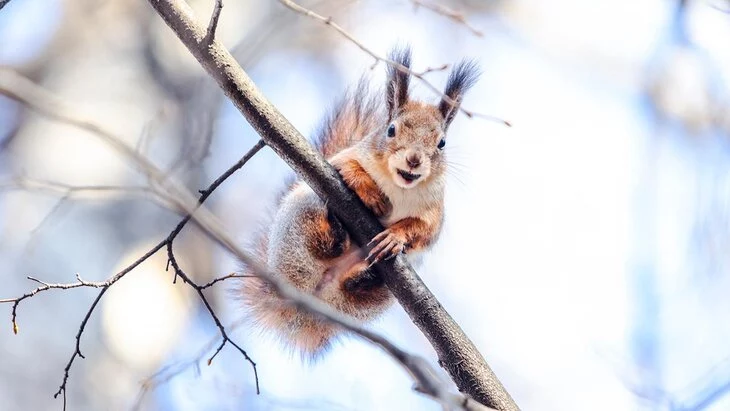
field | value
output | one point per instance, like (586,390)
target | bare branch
(180,273)
(77,350)
(74,192)
(67,191)
(378,58)
(223,278)
(448,13)
(213,25)
(44,287)
(433,69)
(53,187)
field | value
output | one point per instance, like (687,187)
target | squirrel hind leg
(363,291)
(328,239)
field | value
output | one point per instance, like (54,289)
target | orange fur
(363,185)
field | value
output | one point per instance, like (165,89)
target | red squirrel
(392,157)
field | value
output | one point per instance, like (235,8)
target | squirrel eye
(391,130)
(442,143)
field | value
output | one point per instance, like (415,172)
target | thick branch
(456,352)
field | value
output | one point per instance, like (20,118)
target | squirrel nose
(413,160)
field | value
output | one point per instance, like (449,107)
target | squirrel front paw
(388,244)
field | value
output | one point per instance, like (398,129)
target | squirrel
(393,159)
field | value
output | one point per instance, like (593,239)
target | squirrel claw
(388,246)
(378,238)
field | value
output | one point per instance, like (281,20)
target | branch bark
(456,352)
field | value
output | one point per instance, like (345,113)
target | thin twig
(53,187)
(213,25)
(44,287)
(77,350)
(69,192)
(180,273)
(448,13)
(433,69)
(378,58)
(223,278)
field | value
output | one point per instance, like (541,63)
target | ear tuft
(398,81)
(462,78)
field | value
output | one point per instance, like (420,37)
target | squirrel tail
(357,114)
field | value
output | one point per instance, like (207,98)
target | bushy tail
(287,231)
(353,117)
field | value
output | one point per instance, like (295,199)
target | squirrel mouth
(408,176)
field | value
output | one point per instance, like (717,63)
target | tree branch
(213,25)
(199,289)
(433,69)
(455,350)
(68,192)
(448,13)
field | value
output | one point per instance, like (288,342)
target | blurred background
(585,249)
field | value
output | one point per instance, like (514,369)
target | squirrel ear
(461,79)
(397,86)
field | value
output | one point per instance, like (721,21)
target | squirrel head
(413,141)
